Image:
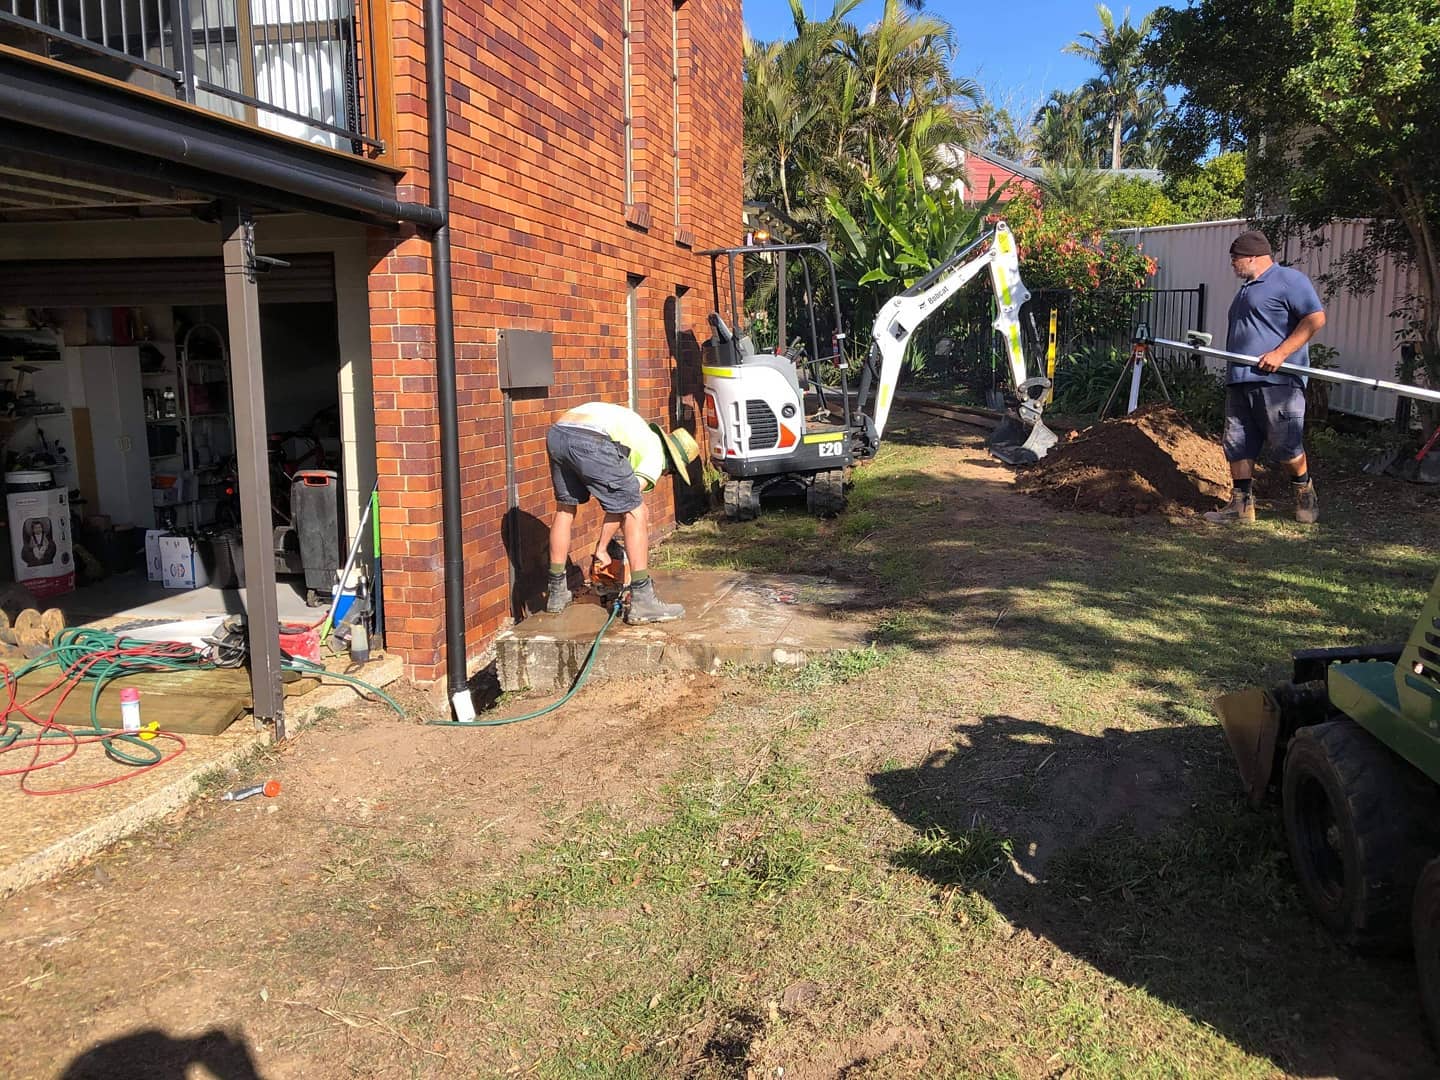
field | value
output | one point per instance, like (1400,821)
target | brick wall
(542,240)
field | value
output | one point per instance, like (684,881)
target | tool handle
(1419,393)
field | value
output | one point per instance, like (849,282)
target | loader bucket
(1017,443)
(1251,721)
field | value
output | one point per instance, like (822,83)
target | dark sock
(639,577)
(1301,480)
(1242,487)
(557,569)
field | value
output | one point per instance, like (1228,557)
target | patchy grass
(1005,841)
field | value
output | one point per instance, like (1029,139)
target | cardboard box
(154,564)
(183,568)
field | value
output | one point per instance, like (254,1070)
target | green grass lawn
(1004,841)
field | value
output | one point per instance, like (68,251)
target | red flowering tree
(1060,249)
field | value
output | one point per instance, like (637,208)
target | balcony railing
(304,68)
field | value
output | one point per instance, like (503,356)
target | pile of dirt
(1151,460)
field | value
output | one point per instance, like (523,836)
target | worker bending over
(611,452)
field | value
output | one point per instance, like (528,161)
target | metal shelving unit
(207,438)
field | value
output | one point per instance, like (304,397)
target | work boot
(646,607)
(1239,510)
(1307,504)
(559,596)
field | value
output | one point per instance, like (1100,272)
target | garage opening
(117,439)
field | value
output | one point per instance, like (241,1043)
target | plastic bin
(315,510)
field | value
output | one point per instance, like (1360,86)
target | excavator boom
(1022,435)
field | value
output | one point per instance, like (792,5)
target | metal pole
(1419,393)
(1137,366)
(262,609)
(782,277)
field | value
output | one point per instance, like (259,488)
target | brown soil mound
(1147,461)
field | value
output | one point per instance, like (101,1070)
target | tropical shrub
(905,228)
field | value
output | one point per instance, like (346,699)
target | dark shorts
(1257,414)
(585,463)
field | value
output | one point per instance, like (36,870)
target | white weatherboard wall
(1360,327)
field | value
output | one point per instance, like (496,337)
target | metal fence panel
(287,65)
(1360,327)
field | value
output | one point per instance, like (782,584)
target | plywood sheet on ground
(186,702)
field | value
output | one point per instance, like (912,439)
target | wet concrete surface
(731,617)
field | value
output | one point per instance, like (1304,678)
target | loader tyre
(825,497)
(742,502)
(1425,929)
(1354,818)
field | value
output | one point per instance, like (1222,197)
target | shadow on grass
(151,1054)
(1129,851)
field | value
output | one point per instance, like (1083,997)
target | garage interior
(128,412)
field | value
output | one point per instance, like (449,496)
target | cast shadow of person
(1134,851)
(687,391)
(527,547)
(152,1054)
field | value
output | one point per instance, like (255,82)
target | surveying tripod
(1135,367)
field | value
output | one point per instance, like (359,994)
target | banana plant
(905,227)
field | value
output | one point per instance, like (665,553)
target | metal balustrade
(296,67)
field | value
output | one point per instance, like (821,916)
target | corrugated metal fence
(1360,327)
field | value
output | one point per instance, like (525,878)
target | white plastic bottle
(130,710)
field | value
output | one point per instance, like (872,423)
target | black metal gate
(963,352)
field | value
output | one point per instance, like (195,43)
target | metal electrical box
(527,359)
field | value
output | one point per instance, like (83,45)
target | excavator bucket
(1017,443)
(1251,722)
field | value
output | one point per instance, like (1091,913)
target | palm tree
(1118,51)
(1081,190)
(777,112)
(1144,146)
(827,107)
(1062,136)
(904,90)
(789,104)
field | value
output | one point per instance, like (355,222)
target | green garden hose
(99,657)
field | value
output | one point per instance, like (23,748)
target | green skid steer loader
(1352,742)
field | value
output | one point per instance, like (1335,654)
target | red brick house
(164,170)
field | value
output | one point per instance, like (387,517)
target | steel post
(262,610)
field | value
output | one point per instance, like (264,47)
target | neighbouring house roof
(1015,167)
(986,172)
(1155,176)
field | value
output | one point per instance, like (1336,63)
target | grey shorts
(1261,413)
(585,463)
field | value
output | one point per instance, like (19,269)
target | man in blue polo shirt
(1273,316)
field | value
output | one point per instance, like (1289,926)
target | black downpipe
(455,658)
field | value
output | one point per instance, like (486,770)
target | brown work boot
(1307,504)
(1240,510)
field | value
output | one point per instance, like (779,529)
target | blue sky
(1012,47)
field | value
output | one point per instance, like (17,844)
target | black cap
(1253,242)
